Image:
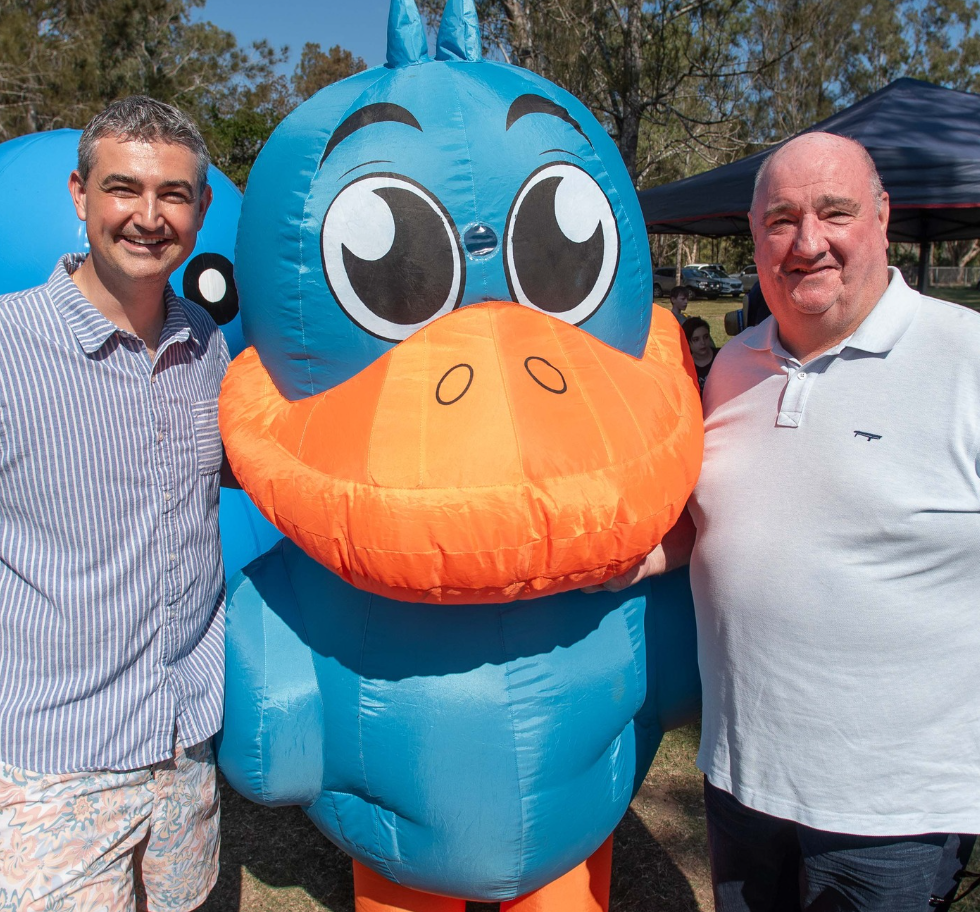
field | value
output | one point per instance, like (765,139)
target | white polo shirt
(836,573)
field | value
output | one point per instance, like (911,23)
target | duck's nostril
(454,384)
(545,374)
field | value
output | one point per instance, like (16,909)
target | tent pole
(925,254)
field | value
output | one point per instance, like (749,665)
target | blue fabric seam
(517,764)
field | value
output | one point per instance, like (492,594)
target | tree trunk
(970,253)
(632,25)
(521,35)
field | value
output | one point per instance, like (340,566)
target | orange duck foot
(583,889)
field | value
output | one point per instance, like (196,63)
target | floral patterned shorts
(110,842)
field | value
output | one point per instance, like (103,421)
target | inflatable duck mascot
(34,173)
(460,407)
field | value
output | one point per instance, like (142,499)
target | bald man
(835,568)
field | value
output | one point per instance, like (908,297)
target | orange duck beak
(496,454)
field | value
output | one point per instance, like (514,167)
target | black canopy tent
(924,139)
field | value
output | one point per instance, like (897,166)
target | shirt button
(166,495)
(173,557)
(159,436)
(802,375)
(153,378)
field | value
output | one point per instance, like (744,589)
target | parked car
(749,276)
(731,285)
(698,282)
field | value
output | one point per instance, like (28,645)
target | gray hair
(877,189)
(140,118)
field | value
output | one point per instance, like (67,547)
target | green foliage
(685,85)
(236,140)
(62,61)
(828,54)
(681,85)
(663,76)
(240,116)
(317,69)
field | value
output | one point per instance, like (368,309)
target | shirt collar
(888,321)
(878,333)
(90,327)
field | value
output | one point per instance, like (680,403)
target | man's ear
(203,205)
(76,187)
(883,213)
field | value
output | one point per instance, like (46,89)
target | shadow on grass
(645,875)
(281,848)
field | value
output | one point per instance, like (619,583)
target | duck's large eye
(562,244)
(391,255)
(209,280)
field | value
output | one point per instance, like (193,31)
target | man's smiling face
(820,235)
(142,207)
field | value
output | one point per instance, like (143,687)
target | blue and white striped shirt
(111,584)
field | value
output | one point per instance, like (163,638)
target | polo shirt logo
(868,435)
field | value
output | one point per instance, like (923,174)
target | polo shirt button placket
(791,407)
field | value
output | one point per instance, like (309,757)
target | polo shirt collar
(889,320)
(879,332)
(90,327)
(765,338)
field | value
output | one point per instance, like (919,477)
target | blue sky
(358,25)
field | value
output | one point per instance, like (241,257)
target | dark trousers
(761,863)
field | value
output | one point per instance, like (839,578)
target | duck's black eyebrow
(538,104)
(370,114)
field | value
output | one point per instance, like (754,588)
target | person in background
(111,582)
(703,349)
(679,296)
(834,564)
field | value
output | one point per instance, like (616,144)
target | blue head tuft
(407,43)
(459,32)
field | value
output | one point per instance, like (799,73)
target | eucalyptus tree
(854,48)
(666,77)
(683,85)
(61,61)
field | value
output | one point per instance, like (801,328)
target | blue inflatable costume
(460,407)
(34,173)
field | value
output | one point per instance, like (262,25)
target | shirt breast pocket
(207,438)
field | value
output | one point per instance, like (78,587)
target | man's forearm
(673,552)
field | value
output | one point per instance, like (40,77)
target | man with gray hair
(111,582)
(835,568)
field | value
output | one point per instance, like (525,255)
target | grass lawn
(274,860)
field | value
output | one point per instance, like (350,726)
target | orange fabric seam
(583,388)
(368,549)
